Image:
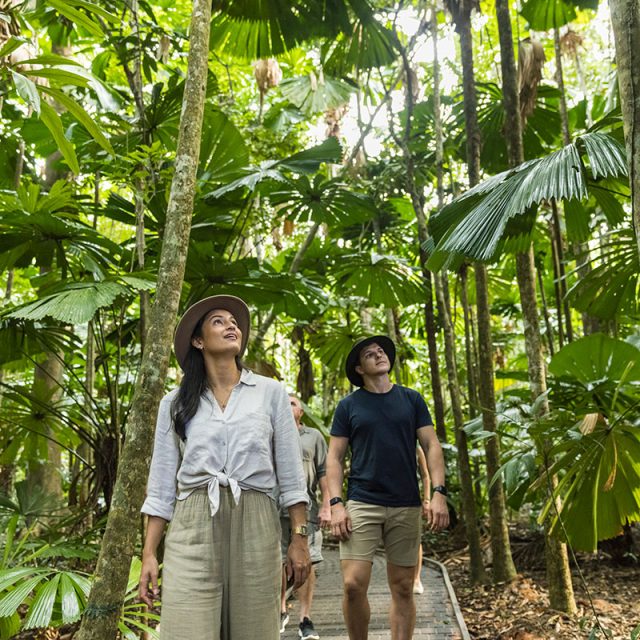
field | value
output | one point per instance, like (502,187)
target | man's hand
(436,512)
(340,522)
(148,586)
(298,562)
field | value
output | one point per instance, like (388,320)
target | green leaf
(82,117)
(9,626)
(312,94)
(544,15)
(476,223)
(77,17)
(597,357)
(10,602)
(53,122)
(42,605)
(76,304)
(27,90)
(11,45)
(70,603)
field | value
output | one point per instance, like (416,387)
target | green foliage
(597,380)
(476,223)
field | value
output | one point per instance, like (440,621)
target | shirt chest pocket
(256,431)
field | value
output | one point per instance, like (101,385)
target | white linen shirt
(253,444)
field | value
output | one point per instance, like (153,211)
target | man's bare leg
(305,594)
(402,616)
(355,604)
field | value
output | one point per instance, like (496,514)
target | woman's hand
(298,562)
(148,586)
(340,522)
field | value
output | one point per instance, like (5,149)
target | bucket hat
(191,317)
(353,359)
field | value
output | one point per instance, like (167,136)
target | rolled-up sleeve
(161,487)
(287,454)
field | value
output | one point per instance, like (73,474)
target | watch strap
(336,500)
(440,489)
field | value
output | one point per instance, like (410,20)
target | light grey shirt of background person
(314,462)
(248,446)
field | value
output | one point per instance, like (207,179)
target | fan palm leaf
(476,223)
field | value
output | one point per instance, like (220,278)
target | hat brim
(353,359)
(184,331)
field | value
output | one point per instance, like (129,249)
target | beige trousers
(221,575)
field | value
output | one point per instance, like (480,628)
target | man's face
(296,409)
(373,361)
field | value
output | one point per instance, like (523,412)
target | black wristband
(440,489)
(335,501)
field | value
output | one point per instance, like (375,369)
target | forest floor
(607,587)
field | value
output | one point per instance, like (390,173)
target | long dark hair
(193,386)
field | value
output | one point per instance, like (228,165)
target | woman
(224,439)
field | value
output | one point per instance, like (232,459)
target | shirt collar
(248,377)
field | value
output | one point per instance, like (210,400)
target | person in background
(224,440)
(381,423)
(314,456)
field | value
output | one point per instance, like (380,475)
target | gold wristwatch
(301,530)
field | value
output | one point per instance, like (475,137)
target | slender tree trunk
(45,474)
(469,345)
(118,545)
(503,567)
(625,19)
(557,563)
(476,566)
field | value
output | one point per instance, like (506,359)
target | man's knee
(401,582)
(354,587)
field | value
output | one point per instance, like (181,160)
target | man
(381,422)
(314,456)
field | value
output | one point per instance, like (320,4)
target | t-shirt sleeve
(340,426)
(423,417)
(321,456)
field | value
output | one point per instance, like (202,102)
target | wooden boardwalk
(438,615)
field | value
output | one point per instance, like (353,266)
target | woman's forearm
(155,531)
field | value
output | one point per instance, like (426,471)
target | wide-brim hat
(184,331)
(353,359)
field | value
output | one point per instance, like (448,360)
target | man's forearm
(323,483)
(435,463)
(334,477)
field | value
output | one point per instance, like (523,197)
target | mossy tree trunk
(118,545)
(625,20)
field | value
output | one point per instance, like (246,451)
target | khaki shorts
(396,528)
(314,539)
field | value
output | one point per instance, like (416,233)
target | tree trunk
(503,567)
(558,574)
(46,474)
(109,585)
(476,566)
(625,20)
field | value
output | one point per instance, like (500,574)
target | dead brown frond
(9,25)
(411,83)
(267,73)
(333,118)
(531,59)
(570,42)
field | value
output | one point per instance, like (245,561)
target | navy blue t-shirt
(381,428)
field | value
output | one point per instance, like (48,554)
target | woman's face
(220,334)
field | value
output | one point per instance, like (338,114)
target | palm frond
(475,223)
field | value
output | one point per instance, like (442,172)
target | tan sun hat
(184,331)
